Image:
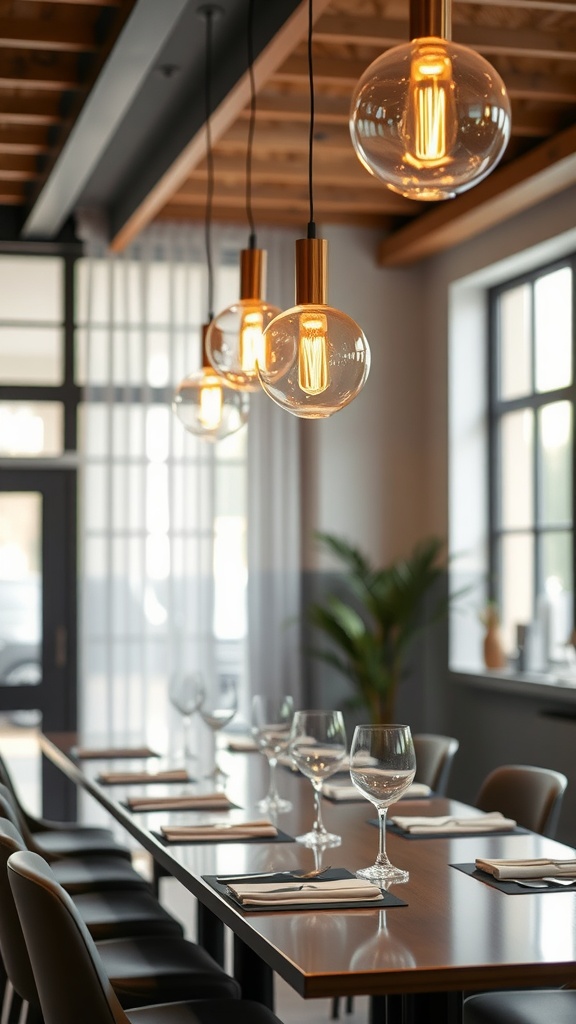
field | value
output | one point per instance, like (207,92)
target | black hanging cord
(311,224)
(251,124)
(209,15)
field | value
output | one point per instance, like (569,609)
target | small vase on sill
(494,655)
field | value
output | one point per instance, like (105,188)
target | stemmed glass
(382,766)
(317,747)
(185,694)
(217,709)
(271,722)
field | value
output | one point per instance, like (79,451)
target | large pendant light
(202,402)
(316,358)
(430,118)
(234,342)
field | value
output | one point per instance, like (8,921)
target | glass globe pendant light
(235,343)
(430,118)
(316,359)
(205,406)
(202,402)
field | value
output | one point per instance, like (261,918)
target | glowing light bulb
(313,353)
(206,406)
(430,118)
(431,110)
(251,340)
(235,343)
(211,403)
(318,358)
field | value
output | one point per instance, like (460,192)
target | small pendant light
(430,118)
(202,402)
(234,343)
(316,358)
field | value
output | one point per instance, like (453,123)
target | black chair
(52,838)
(142,969)
(531,1007)
(532,796)
(82,873)
(71,978)
(434,756)
(108,914)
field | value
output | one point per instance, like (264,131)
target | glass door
(38,612)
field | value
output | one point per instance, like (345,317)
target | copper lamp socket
(430,18)
(311,271)
(252,273)
(206,364)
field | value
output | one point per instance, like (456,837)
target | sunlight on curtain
(171,536)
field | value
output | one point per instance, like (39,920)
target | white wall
(365,467)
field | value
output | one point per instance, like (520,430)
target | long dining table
(452,934)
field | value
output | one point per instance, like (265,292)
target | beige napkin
(335,792)
(109,752)
(274,894)
(219,830)
(447,825)
(240,744)
(170,775)
(541,868)
(185,802)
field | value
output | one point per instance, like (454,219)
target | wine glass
(218,707)
(185,694)
(271,721)
(317,747)
(382,766)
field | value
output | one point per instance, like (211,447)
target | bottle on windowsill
(494,654)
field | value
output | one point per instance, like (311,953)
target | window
(532,400)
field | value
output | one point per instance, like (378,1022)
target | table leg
(255,977)
(211,934)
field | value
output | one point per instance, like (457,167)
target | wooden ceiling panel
(52,53)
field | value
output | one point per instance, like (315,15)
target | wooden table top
(455,933)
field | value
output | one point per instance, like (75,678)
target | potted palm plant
(374,623)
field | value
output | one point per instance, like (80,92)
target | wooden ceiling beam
(276,218)
(63,34)
(295,196)
(381,33)
(57,71)
(17,167)
(292,168)
(543,172)
(20,139)
(19,109)
(11,193)
(291,34)
(565,6)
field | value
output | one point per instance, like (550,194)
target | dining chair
(71,978)
(61,838)
(78,874)
(434,757)
(532,796)
(518,1007)
(142,969)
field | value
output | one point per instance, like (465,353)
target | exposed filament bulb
(313,375)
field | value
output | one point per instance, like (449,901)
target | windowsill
(551,685)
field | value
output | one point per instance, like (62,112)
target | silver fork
(296,875)
(540,883)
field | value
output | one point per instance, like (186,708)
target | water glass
(271,723)
(318,747)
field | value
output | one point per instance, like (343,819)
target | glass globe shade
(319,360)
(430,118)
(235,340)
(207,408)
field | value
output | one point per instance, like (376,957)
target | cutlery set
(296,875)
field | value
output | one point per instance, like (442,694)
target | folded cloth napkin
(447,825)
(271,894)
(341,792)
(170,775)
(218,830)
(541,868)
(185,802)
(242,743)
(109,752)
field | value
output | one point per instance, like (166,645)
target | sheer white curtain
(189,551)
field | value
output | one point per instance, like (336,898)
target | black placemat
(447,835)
(388,900)
(281,837)
(505,885)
